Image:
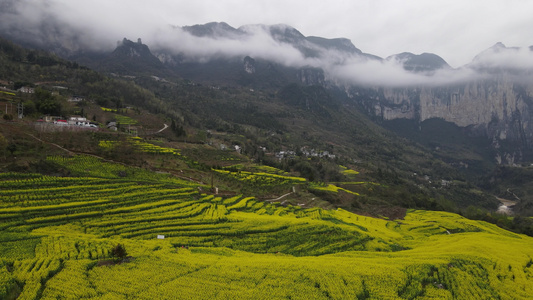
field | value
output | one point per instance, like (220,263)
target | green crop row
(261,179)
(140,146)
(236,247)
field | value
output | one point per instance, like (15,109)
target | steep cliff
(499,108)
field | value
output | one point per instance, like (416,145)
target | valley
(155,176)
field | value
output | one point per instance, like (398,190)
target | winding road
(165,126)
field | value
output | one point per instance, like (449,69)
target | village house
(112,126)
(446,183)
(3,86)
(61,122)
(75,98)
(50,119)
(27,90)
(79,121)
(285,154)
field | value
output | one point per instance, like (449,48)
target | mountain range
(489,97)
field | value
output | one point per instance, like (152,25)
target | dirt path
(514,195)
(49,143)
(165,126)
(281,197)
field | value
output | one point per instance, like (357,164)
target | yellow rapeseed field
(57,233)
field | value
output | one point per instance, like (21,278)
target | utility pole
(20,110)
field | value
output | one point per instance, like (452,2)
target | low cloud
(78,26)
(501,57)
(392,74)
(258,44)
(339,66)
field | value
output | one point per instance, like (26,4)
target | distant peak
(285,30)
(499,47)
(341,44)
(212,29)
(211,25)
(219,25)
(126,42)
(127,45)
(425,62)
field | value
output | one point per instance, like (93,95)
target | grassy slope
(56,229)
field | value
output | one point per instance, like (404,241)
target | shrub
(119,252)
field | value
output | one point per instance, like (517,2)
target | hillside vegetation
(314,128)
(186,190)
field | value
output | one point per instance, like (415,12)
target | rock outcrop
(500,108)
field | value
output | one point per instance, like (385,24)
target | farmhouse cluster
(72,121)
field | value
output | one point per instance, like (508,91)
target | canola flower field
(261,178)
(141,146)
(56,231)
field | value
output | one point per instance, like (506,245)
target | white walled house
(79,121)
(27,90)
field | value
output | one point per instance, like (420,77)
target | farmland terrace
(57,236)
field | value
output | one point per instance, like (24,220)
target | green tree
(3,145)
(119,252)
(50,107)
(29,107)
(12,147)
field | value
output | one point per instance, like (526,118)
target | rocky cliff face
(249,65)
(499,108)
(311,76)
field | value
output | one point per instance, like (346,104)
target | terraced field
(57,234)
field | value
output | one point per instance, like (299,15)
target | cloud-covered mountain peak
(499,47)
(130,57)
(500,57)
(286,33)
(213,30)
(425,62)
(132,49)
(337,44)
(283,44)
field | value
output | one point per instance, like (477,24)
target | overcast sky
(456,30)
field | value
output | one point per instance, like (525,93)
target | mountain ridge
(486,96)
